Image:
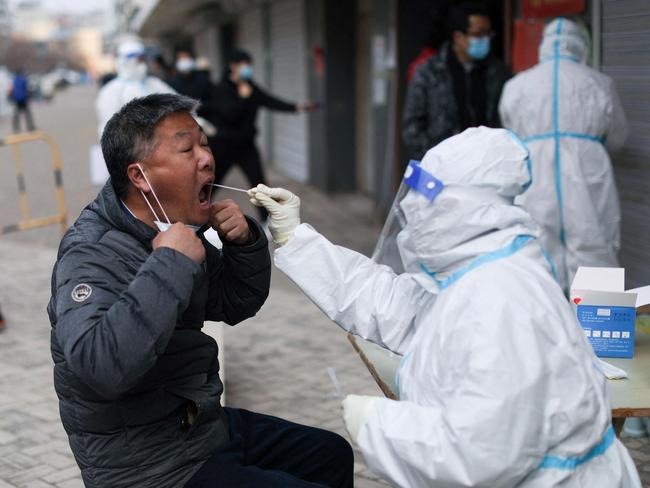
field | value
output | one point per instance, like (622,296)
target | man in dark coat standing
(458,88)
(137,379)
(233,110)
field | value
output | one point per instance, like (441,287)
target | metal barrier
(27,222)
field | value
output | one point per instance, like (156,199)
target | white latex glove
(356,410)
(283,208)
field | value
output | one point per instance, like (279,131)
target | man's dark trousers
(269,452)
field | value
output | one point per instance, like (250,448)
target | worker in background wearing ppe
(569,116)
(131,82)
(459,87)
(498,385)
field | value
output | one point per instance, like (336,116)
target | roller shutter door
(252,29)
(626,58)
(289,144)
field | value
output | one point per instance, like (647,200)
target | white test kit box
(605,310)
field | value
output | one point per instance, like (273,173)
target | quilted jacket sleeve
(240,278)
(111,330)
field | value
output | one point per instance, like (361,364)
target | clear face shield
(417,183)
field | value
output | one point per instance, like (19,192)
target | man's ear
(458,37)
(136,178)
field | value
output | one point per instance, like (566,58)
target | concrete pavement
(276,362)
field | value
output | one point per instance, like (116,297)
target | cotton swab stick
(230,188)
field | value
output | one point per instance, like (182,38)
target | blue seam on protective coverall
(519,242)
(399,367)
(556,129)
(561,56)
(571,463)
(528,162)
(568,135)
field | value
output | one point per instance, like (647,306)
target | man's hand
(308,106)
(182,239)
(244,89)
(229,222)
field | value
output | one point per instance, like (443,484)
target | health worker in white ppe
(569,116)
(497,385)
(131,82)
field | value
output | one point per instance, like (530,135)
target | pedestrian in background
(458,88)
(188,80)
(569,116)
(19,95)
(235,103)
(194,83)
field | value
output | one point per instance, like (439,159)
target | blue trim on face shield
(518,243)
(529,164)
(419,180)
(571,463)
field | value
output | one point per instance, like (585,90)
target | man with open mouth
(137,379)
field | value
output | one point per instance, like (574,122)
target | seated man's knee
(339,447)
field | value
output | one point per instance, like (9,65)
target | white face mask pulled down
(162,226)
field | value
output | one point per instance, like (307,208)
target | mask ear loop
(154,195)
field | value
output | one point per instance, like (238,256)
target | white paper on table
(610,371)
(642,295)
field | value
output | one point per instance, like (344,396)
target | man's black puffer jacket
(129,354)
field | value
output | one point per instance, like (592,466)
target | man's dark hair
(238,56)
(129,134)
(459,15)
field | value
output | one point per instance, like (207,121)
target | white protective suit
(497,385)
(569,115)
(131,82)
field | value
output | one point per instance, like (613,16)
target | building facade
(351,56)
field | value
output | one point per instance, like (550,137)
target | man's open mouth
(204,194)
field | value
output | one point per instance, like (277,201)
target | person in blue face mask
(458,88)
(233,106)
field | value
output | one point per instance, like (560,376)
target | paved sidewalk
(276,362)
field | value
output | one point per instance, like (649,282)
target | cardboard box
(605,310)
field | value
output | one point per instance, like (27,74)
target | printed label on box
(609,329)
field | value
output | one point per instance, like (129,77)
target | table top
(631,397)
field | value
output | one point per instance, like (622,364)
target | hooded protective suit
(497,385)
(568,114)
(131,82)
